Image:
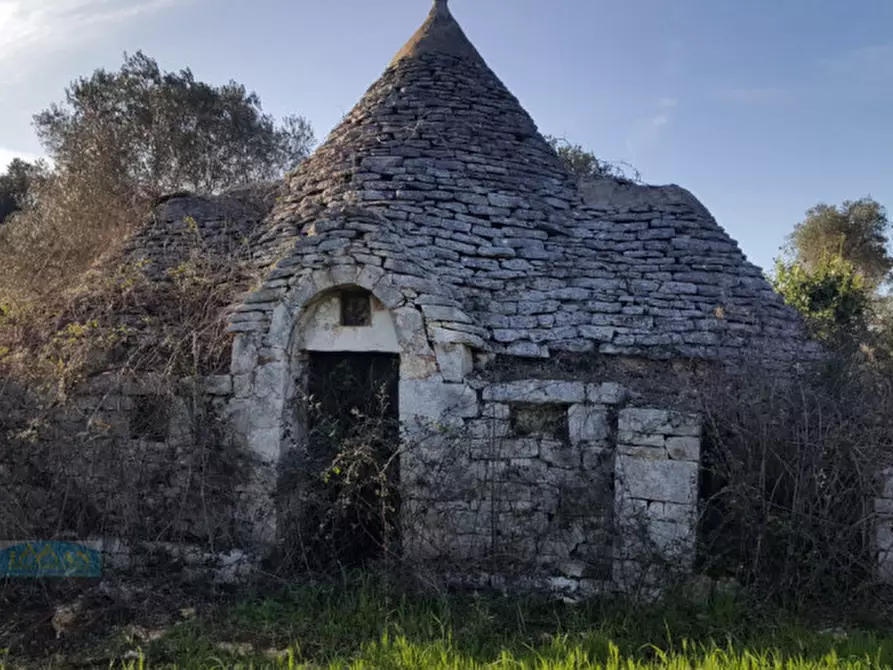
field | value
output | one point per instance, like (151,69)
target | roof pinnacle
(439,34)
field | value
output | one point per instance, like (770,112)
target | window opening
(149,418)
(356,308)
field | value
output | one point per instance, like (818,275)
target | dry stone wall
(127,461)
(551,484)
(182,224)
(656,496)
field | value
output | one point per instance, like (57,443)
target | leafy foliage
(584,164)
(152,132)
(857,231)
(15,184)
(832,295)
(837,264)
(120,140)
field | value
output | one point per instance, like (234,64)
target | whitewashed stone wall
(321,329)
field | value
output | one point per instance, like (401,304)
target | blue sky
(761,108)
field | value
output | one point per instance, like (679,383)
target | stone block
(886,482)
(266,444)
(435,400)
(597,457)
(343,275)
(684,448)
(495,410)
(237,417)
(281,325)
(483,429)
(455,361)
(218,385)
(242,385)
(269,380)
(884,538)
(587,424)
(643,452)
(418,367)
(672,540)
(538,391)
(264,295)
(608,393)
(494,449)
(657,421)
(369,276)
(451,336)
(572,569)
(445,313)
(527,350)
(410,329)
(244,356)
(637,420)
(180,422)
(598,333)
(663,481)
(560,455)
(389,295)
(627,438)
(685,515)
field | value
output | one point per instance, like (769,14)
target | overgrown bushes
(789,475)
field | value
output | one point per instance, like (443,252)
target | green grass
(365,623)
(559,654)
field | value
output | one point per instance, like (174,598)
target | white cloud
(32,29)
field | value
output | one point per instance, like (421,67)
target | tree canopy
(857,231)
(119,140)
(147,132)
(837,263)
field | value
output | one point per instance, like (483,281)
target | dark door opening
(353,437)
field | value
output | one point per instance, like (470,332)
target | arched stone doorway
(271,371)
(340,463)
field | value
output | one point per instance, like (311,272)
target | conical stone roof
(441,179)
